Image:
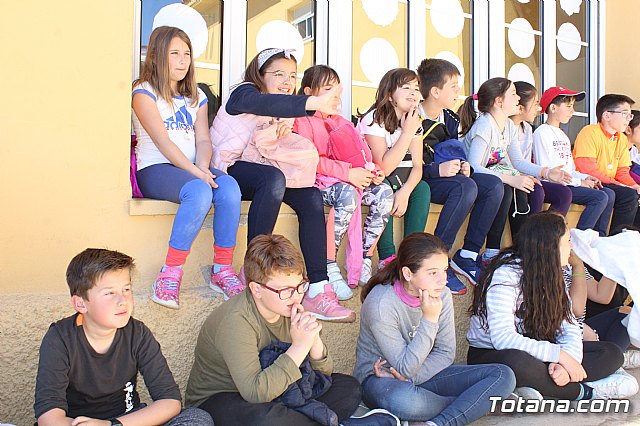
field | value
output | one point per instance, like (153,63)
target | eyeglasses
(283,78)
(625,114)
(288,292)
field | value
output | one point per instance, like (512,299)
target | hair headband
(268,53)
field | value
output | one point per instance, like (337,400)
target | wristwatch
(115,422)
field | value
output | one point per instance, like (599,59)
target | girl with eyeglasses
(491,144)
(407,343)
(253,142)
(229,379)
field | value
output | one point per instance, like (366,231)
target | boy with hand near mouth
(227,379)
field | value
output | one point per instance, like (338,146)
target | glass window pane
(523,53)
(281,24)
(208,62)
(574,126)
(449,36)
(572,58)
(531,11)
(379,44)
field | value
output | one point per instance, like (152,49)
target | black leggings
(599,360)
(264,186)
(229,408)
(494,236)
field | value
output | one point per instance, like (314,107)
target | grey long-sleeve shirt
(418,349)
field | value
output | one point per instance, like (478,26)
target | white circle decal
(381,12)
(282,35)
(570,6)
(521,40)
(521,72)
(377,56)
(447,17)
(453,58)
(568,50)
(188,20)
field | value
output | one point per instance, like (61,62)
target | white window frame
(333,43)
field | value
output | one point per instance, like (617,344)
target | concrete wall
(622,62)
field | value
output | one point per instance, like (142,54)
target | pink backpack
(133,168)
(345,143)
(295,155)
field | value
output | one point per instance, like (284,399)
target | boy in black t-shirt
(89,362)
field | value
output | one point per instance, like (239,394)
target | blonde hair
(155,69)
(269,254)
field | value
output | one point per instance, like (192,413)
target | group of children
(260,358)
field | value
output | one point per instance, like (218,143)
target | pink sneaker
(385,262)
(166,287)
(325,306)
(226,282)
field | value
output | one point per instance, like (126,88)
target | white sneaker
(618,385)
(340,286)
(526,392)
(365,275)
(631,359)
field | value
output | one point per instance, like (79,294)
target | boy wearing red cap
(552,147)
(601,150)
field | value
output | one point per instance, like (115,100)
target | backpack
(346,144)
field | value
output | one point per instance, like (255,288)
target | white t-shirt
(634,154)
(365,127)
(525,138)
(552,148)
(179,121)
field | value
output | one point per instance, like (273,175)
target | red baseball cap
(553,92)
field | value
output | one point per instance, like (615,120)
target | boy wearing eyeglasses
(227,380)
(601,150)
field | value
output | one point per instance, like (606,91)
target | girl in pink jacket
(347,179)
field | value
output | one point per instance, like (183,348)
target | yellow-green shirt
(227,350)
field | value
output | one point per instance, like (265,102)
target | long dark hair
(536,251)
(385,113)
(316,77)
(413,250)
(487,93)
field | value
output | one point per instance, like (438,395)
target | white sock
(164,267)
(468,254)
(489,253)
(315,288)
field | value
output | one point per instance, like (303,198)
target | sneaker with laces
(340,286)
(365,275)
(325,306)
(226,281)
(618,385)
(526,392)
(385,262)
(631,359)
(377,417)
(166,287)
(466,267)
(454,283)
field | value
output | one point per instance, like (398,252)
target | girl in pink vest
(347,178)
(262,104)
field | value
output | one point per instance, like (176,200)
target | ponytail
(467,114)
(387,275)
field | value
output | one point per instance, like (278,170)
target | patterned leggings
(343,197)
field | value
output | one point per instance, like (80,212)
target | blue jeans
(457,395)
(458,194)
(195,196)
(598,205)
